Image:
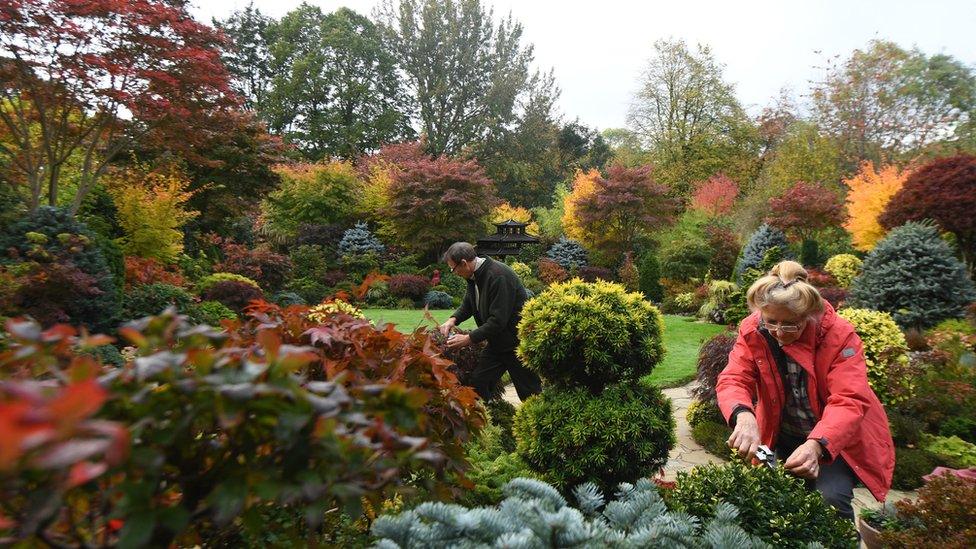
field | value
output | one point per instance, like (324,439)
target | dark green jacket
(500,308)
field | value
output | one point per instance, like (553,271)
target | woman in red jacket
(797,382)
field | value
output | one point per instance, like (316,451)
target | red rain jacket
(849,415)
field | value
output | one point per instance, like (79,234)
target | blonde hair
(786,285)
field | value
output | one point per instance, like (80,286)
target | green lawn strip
(682,338)
(407,320)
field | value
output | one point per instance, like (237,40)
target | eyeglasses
(781,328)
(456,265)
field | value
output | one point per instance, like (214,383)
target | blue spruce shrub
(358,240)
(534,514)
(436,299)
(568,253)
(765,237)
(914,275)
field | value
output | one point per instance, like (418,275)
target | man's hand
(745,436)
(447,326)
(458,340)
(805,460)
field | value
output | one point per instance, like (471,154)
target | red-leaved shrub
(145,270)
(591,273)
(409,286)
(834,295)
(269,269)
(234,294)
(551,272)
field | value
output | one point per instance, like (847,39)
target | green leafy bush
(844,268)
(152,299)
(962,427)
(773,504)
(502,414)
(906,429)
(720,293)
(208,281)
(649,273)
(713,436)
(911,464)
(309,291)
(210,313)
(534,514)
(700,411)
(914,275)
(590,334)
(572,436)
(67,277)
(954,451)
(885,349)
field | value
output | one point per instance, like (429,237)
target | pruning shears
(766,456)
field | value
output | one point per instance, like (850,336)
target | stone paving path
(686,453)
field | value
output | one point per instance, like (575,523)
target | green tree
(525,162)
(336,90)
(689,117)
(884,101)
(311,193)
(246,56)
(466,73)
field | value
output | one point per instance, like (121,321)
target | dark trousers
(492,365)
(835,482)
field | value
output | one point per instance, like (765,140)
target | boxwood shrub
(773,504)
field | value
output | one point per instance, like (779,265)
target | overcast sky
(598,48)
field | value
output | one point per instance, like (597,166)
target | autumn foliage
(152,210)
(626,204)
(584,185)
(805,208)
(870,191)
(944,190)
(716,195)
(434,202)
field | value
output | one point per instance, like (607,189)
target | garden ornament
(766,456)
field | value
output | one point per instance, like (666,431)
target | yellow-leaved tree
(151,206)
(505,211)
(584,185)
(870,191)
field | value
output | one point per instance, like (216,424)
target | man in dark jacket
(494,297)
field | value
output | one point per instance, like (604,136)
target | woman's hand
(745,436)
(804,462)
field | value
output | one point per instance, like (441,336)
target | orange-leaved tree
(584,185)
(870,191)
(716,195)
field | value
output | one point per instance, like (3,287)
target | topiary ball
(884,346)
(571,436)
(210,313)
(844,268)
(590,334)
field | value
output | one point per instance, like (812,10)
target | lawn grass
(682,338)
